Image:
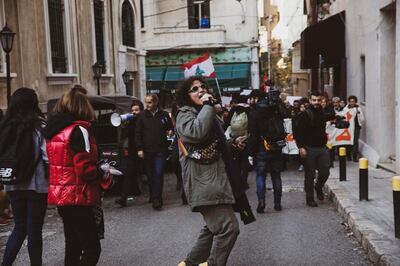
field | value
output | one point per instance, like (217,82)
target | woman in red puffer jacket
(75,181)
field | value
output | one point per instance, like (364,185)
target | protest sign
(335,136)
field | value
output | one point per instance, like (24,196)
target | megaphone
(117,119)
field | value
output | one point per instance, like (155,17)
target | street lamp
(149,83)
(97,71)
(7,39)
(126,77)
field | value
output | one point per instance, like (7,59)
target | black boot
(311,203)
(261,206)
(278,207)
(277,200)
(157,205)
(121,201)
(320,194)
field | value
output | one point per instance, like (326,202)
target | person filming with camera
(267,138)
(311,139)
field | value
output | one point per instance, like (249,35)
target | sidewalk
(372,222)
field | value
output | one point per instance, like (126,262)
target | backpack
(274,136)
(239,123)
(17,162)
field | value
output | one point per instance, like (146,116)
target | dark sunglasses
(196,88)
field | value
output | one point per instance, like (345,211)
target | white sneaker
(301,168)
(251,160)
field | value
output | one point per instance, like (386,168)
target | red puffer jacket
(73,176)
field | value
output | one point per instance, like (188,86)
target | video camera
(272,97)
(340,122)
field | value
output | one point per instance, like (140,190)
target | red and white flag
(200,66)
(265,79)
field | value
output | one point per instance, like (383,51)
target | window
(2,22)
(128,25)
(141,14)
(363,83)
(199,14)
(98,11)
(57,36)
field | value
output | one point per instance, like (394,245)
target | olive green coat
(203,184)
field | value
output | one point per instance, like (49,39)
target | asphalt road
(137,235)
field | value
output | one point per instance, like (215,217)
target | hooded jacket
(204,184)
(74,178)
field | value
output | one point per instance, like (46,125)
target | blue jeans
(274,162)
(29,209)
(155,165)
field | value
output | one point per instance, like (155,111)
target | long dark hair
(23,110)
(182,95)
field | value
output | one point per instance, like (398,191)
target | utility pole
(269,45)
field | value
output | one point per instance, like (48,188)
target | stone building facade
(372,59)
(177,31)
(58,41)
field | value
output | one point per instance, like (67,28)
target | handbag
(208,154)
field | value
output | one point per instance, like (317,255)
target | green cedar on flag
(200,66)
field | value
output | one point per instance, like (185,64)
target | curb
(380,249)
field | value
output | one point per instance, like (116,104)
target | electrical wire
(167,11)
(292,17)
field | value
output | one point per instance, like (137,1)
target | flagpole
(219,89)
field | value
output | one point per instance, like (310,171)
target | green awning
(232,71)
(155,73)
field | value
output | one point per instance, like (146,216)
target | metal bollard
(363,165)
(396,205)
(342,164)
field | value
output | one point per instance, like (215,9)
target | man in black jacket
(132,160)
(311,140)
(151,131)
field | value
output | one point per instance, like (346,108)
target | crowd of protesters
(213,149)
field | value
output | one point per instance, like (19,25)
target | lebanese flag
(265,79)
(200,66)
